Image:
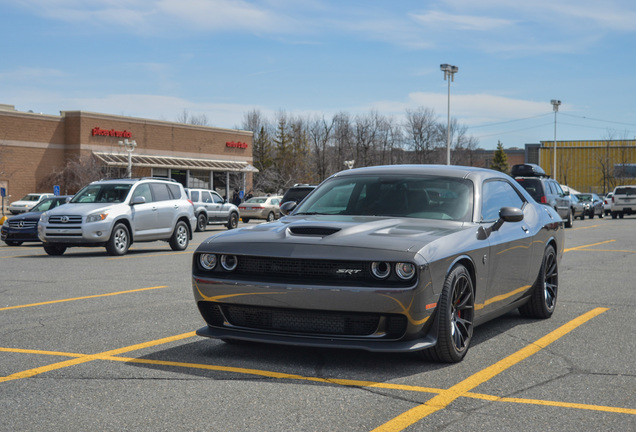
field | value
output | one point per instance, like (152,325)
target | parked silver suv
(117,213)
(210,208)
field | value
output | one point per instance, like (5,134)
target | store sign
(242,145)
(113,133)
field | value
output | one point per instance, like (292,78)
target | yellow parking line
(443,399)
(87,358)
(82,298)
(589,245)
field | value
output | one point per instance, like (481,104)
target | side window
(495,195)
(217,198)
(206,197)
(159,191)
(557,189)
(144,191)
(175,191)
(194,195)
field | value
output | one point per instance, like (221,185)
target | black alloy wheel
(456,310)
(545,289)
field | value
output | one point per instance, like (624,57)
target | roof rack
(527,170)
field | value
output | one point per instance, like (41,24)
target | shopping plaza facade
(32,146)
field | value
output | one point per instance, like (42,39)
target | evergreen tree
(500,160)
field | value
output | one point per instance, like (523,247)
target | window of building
(199,179)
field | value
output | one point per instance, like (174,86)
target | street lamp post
(349,163)
(130,147)
(555,107)
(449,74)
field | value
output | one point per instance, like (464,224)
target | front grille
(72,219)
(307,322)
(303,271)
(23,224)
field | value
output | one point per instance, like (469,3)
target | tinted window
(495,195)
(160,191)
(533,186)
(175,191)
(194,196)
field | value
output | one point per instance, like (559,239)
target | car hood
(25,216)
(80,208)
(317,235)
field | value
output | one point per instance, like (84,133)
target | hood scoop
(313,231)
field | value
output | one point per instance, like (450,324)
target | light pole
(349,163)
(130,147)
(555,107)
(449,74)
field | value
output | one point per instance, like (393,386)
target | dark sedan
(401,258)
(24,227)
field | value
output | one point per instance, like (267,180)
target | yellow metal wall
(588,166)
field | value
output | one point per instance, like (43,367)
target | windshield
(48,204)
(30,197)
(424,197)
(102,193)
(584,198)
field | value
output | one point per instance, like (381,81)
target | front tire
(456,310)
(202,222)
(180,237)
(545,288)
(232,222)
(568,221)
(54,250)
(119,241)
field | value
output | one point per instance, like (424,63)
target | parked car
(117,213)
(24,227)
(623,201)
(578,208)
(400,258)
(544,190)
(27,202)
(607,203)
(211,209)
(297,193)
(593,204)
(264,207)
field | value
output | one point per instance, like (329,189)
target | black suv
(544,190)
(297,193)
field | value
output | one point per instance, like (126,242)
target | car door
(167,208)
(510,247)
(221,207)
(562,200)
(144,216)
(211,207)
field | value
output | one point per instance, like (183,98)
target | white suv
(116,213)
(623,201)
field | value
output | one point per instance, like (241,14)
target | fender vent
(313,231)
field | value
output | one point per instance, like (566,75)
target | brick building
(32,146)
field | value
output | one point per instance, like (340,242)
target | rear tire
(55,250)
(545,288)
(271,217)
(456,310)
(119,241)
(568,221)
(245,220)
(180,237)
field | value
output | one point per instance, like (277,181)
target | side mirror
(506,214)
(287,207)
(138,200)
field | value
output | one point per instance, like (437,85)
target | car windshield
(584,198)
(424,197)
(31,197)
(48,204)
(102,193)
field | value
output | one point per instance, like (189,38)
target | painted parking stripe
(82,298)
(445,398)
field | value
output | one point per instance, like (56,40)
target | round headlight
(405,271)
(380,270)
(207,261)
(229,262)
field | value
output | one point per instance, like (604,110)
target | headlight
(229,262)
(207,261)
(405,271)
(44,217)
(96,217)
(380,270)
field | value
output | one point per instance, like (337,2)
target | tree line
(290,149)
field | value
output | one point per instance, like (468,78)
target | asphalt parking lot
(93,342)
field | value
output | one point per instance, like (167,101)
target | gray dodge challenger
(399,258)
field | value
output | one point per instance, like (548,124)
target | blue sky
(223,58)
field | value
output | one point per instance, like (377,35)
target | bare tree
(193,119)
(422,134)
(320,133)
(78,172)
